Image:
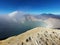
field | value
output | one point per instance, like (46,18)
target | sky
(30,6)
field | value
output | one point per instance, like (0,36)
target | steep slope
(36,36)
(53,23)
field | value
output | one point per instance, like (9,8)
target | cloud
(16,13)
(13,13)
(16,16)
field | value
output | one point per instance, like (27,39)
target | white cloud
(16,16)
(13,13)
(16,13)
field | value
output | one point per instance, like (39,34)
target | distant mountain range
(46,16)
(49,16)
(41,17)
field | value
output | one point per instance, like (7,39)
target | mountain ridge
(45,36)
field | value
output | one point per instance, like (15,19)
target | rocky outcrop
(36,36)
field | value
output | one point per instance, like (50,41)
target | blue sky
(30,6)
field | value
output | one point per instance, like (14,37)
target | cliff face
(36,36)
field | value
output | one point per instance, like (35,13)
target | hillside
(36,36)
(53,23)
